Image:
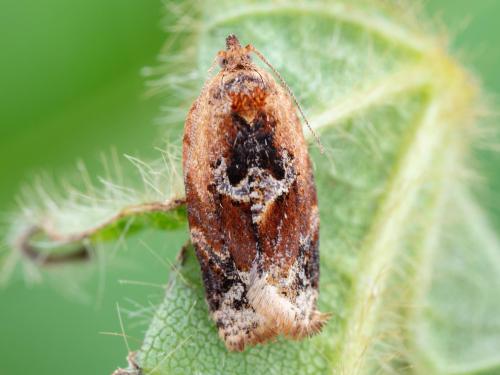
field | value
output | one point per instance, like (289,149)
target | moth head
(235,56)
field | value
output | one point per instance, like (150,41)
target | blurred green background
(70,88)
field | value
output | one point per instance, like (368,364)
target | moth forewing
(252,205)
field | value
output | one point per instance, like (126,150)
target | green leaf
(65,227)
(410,268)
(396,115)
(456,325)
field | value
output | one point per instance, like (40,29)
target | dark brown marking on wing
(239,235)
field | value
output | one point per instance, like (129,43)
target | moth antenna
(287,88)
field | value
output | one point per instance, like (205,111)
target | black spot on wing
(254,147)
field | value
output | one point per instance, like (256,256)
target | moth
(252,204)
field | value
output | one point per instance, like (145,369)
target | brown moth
(252,205)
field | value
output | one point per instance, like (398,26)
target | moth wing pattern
(252,206)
